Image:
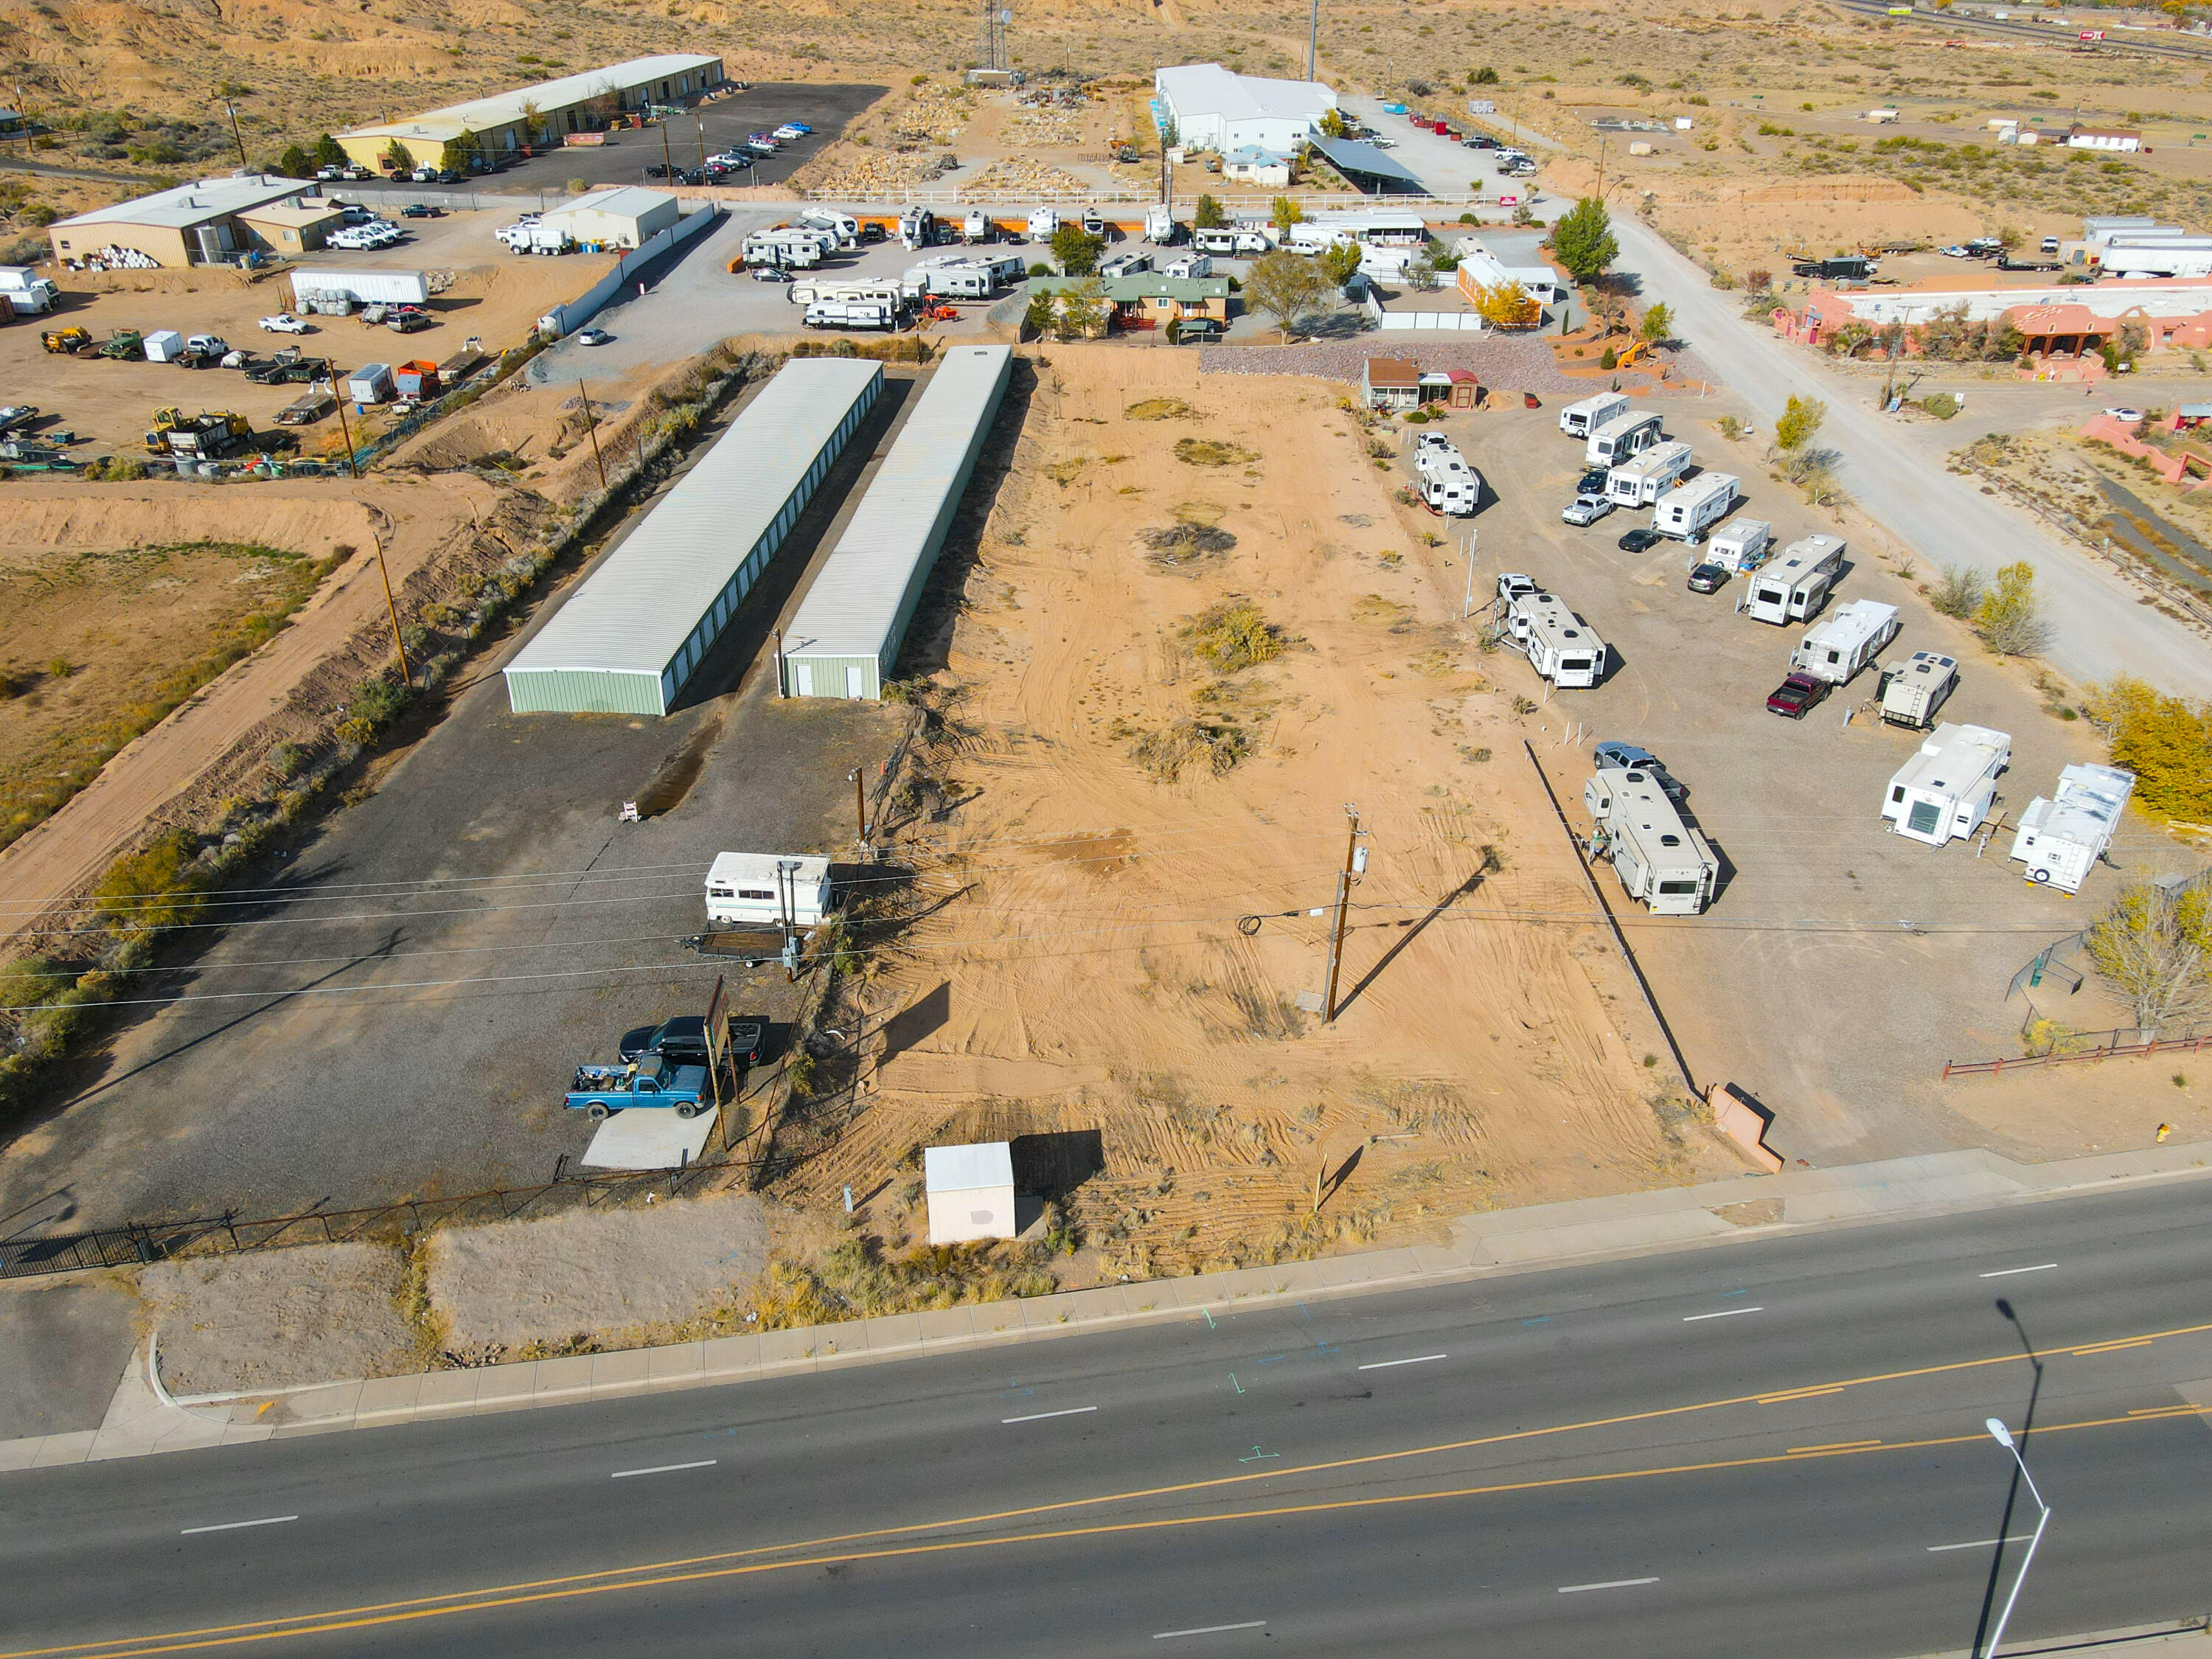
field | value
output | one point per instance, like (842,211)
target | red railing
(2113,1050)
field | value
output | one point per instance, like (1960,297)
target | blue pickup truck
(648,1080)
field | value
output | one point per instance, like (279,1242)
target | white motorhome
(1740,546)
(1580,420)
(2061,837)
(1622,436)
(1689,510)
(805,290)
(1794,588)
(768,890)
(1946,790)
(1659,857)
(1642,479)
(1043,223)
(1912,692)
(851,313)
(1838,648)
(1448,483)
(1560,646)
(841,226)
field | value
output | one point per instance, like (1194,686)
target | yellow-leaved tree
(2165,740)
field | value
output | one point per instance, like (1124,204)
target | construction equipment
(30,455)
(15,415)
(63,341)
(201,437)
(124,345)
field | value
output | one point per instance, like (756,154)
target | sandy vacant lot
(1083,965)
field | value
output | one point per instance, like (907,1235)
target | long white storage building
(635,630)
(845,640)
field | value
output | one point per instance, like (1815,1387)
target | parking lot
(406,1019)
(1839,965)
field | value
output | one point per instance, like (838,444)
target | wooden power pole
(1353,863)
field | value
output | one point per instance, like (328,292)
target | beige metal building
(209,221)
(622,217)
(534,117)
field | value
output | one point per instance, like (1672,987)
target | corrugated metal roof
(629,201)
(545,97)
(185,205)
(635,612)
(855,603)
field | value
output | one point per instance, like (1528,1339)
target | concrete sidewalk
(144,1417)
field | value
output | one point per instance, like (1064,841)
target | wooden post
(591,426)
(1321,1169)
(345,435)
(1343,907)
(392,610)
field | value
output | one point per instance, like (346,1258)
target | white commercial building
(970,1191)
(626,217)
(1214,108)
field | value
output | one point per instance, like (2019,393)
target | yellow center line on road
(2109,1347)
(92,1650)
(1800,1394)
(328,1624)
(1833,1446)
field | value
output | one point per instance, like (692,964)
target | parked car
(1593,482)
(1586,509)
(661,170)
(328,173)
(2121,413)
(770,274)
(798,127)
(787,132)
(1640,539)
(285,323)
(682,1041)
(1797,694)
(1708,578)
(424,176)
(1633,757)
(649,1080)
(422,210)
(593,336)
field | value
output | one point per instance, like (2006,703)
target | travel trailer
(767,890)
(1580,420)
(1946,790)
(1560,646)
(1686,512)
(1660,858)
(1642,479)
(1837,647)
(1794,587)
(2062,837)
(1622,436)
(1740,546)
(1912,690)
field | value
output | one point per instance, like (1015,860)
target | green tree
(399,158)
(1333,124)
(295,163)
(1658,324)
(2153,948)
(2010,618)
(1208,215)
(328,152)
(1485,76)
(1340,263)
(1583,239)
(2165,741)
(1287,288)
(1076,250)
(1800,420)
(1285,214)
(1040,316)
(1083,310)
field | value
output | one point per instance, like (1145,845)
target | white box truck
(1642,479)
(1560,646)
(164,345)
(1742,546)
(1794,587)
(1622,436)
(28,295)
(768,889)
(2062,837)
(1659,856)
(1912,690)
(1945,791)
(1837,647)
(1580,420)
(1686,512)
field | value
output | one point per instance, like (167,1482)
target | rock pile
(1020,176)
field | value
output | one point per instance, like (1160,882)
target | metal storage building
(632,634)
(845,640)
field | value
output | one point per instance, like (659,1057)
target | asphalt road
(1770,1448)
(2102,628)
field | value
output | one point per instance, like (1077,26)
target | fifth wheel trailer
(2061,837)
(1642,479)
(1794,588)
(1580,420)
(1912,692)
(1687,511)
(1622,436)
(1837,647)
(1659,857)
(1946,790)
(1560,646)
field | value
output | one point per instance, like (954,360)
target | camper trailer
(1914,689)
(1560,646)
(977,227)
(1448,483)
(843,226)
(950,279)
(1043,221)
(917,228)
(1796,585)
(1160,227)
(1946,790)
(1689,510)
(851,313)
(782,248)
(1642,479)
(768,890)
(805,290)
(1740,546)
(1659,857)
(1835,649)
(1580,420)
(1624,436)
(2062,837)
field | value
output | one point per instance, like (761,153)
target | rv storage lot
(1841,965)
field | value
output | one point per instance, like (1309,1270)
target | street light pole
(2002,1436)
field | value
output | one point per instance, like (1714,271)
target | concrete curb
(143,1418)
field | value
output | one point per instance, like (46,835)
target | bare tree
(2153,948)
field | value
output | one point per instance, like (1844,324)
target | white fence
(567,317)
(957,197)
(1448,322)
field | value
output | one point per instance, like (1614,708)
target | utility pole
(1354,861)
(667,157)
(1602,138)
(591,426)
(1466,603)
(345,436)
(231,109)
(1312,40)
(860,803)
(702,120)
(392,610)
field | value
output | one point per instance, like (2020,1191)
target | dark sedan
(1640,539)
(682,1041)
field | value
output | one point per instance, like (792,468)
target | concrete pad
(942,1325)
(19,1454)
(387,1397)
(785,1348)
(63,1343)
(730,1356)
(618,1373)
(55,1449)
(648,1138)
(559,1381)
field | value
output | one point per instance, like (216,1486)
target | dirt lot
(494,297)
(1082,967)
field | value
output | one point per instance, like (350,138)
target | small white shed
(970,1191)
(768,888)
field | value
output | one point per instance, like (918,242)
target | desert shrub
(1166,754)
(1179,544)
(1160,408)
(1211,451)
(1234,635)
(2010,617)
(157,886)
(1958,591)
(854,1280)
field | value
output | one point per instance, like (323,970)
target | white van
(767,890)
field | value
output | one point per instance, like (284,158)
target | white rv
(1448,483)
(841,226)
(1561,647)
(1580,420)
(1914,689)
(1043,223)
(917,228)
(1836,648)
(977,227)
(851,313)
(1794,587)
(1946,790)
(805,290)
(768,890)
(1642,479)
(1189,264)
(1624,436)
(953,279)
(1742,546)
(1159,225)
(2062,837)
(783,248)
(1660,858)
(1689,510)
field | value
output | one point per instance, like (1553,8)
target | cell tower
(991,36)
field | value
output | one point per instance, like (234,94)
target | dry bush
(853,1280)
(1180,544)
(1233,635)
(1161,409)
(1163,755)
(1212,452)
